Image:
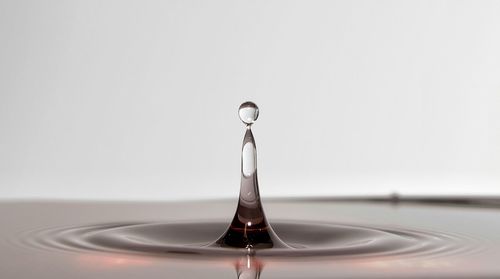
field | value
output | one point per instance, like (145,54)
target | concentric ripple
(306,239)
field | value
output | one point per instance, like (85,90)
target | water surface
(332,238)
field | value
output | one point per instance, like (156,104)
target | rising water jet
(249,228)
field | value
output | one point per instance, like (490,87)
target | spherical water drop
(248,112)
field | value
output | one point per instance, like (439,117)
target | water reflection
(248,267)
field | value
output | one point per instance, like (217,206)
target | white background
(138,99)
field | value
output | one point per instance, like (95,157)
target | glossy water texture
(304,239)
(395,239)
(249,228)
(365,238)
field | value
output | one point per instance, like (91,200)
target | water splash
(250,233)
(249,228)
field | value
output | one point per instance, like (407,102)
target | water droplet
(249,226)
(253,235)
(248,112)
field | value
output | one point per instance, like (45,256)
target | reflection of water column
(249,228)
(248,268)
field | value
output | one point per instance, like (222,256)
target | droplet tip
(248,113)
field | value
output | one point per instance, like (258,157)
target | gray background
(138,99)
